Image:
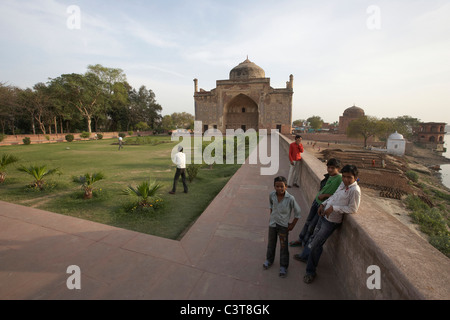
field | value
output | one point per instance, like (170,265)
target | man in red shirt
(295,156)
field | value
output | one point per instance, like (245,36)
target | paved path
(219,258)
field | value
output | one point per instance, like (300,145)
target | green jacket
(330,187)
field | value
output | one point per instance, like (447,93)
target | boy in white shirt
(345,200)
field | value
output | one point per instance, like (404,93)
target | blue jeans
(282,233)
(310,224)
(314,249)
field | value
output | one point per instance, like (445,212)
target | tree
(114,98)
(8,103)
(315,122)
(144,108)
(365,127)
(82,92)
(299,123)
(167,123)
(182,120)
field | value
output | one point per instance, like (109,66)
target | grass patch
(432,221)
(129,166)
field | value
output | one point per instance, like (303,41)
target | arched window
(243,110)
(432,139)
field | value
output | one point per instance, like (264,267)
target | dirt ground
(383,176)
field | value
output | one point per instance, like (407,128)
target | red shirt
(295,151)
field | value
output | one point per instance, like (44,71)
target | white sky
(391,58)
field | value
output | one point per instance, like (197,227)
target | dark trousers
(282,233)
(310,224)
(182,173)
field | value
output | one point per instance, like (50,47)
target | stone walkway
(219,258)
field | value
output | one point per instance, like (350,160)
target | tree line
(99,100)
(369,126)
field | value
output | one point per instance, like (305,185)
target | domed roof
(396,136)
(247,70)
(354,112)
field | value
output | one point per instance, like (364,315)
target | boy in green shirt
(327,187)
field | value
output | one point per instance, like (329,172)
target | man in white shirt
(345,200)
(120,143)
(180,161)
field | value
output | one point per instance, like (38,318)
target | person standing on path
(282,205)
(295,156)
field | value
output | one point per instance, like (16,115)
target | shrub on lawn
(87,183)
(69,137)
(26,141)
(38,173)
(146,192)
(85,135)
(192,171)
(6,160)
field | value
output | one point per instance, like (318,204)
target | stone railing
(373,243)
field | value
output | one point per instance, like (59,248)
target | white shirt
(344,200)
(180,160)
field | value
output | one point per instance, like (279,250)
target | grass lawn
(129,166)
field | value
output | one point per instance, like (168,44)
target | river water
(445,168)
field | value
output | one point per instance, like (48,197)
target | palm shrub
(6,160)
(87,183)
(146,192)
(39,173)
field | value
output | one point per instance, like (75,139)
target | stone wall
(410,268)
(52,138)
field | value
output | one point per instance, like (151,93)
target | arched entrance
(241,113)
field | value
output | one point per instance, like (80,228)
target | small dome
(396,136)
(354,112)
(247,70)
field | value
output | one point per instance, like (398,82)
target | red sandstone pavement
(219,258)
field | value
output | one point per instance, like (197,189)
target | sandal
(295,243)
(309,278)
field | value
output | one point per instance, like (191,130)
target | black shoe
(171,192)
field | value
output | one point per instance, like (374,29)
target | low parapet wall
(59,137)
(372,243)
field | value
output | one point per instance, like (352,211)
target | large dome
(354,112)
(247,70)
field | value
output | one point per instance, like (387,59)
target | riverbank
(384,178)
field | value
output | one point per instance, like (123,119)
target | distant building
(396,144)
(349,115)
(431,135)
(245,101)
